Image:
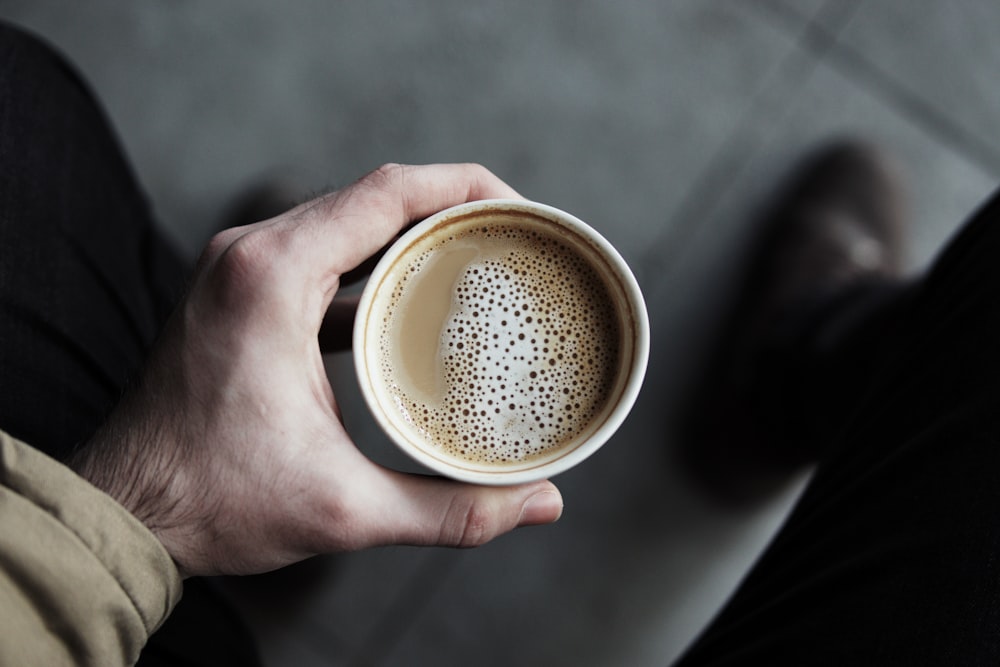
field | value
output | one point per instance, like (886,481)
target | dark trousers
(891,556)
(86,282)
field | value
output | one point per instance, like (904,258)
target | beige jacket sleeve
(82,581)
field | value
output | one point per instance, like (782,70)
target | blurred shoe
(836,230)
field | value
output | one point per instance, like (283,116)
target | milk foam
(528,353)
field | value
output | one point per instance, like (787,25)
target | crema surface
(501,342)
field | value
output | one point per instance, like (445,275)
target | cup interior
(377,300)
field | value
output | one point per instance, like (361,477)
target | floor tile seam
(368,651)
(782,12)
(316,632)
(728,161)
(816,33)
(317,635)
(416,596)
(909,104)
(827,42)
(313,633)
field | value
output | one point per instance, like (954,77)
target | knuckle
(476,169)
(388,176)
(216,247)
(481,181)
(246,255)
(472,524)
(349,533)
(390,169)
(376,190)
(243,263)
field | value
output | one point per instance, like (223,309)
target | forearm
(82,581)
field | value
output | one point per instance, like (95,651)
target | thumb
(421,510)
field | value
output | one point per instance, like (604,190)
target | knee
(31,63)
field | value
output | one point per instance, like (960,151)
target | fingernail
(541,508)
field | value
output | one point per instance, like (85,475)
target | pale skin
(230,446)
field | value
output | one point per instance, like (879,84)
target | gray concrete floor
(662,124)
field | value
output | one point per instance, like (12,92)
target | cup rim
(545,468)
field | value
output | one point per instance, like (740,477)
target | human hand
(230,446)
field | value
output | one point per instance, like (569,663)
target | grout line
(736,152)
(411,601)
(910,105)
(787,15)
(828,45)
(825,43)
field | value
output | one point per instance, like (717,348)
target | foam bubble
(527,355)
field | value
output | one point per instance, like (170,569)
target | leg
(86,282)
(889,557)
(815,301)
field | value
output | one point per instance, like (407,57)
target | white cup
(417,397)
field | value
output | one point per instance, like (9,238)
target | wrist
(128,460)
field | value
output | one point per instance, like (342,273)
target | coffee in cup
(501,341)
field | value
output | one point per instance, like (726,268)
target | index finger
(349,225)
